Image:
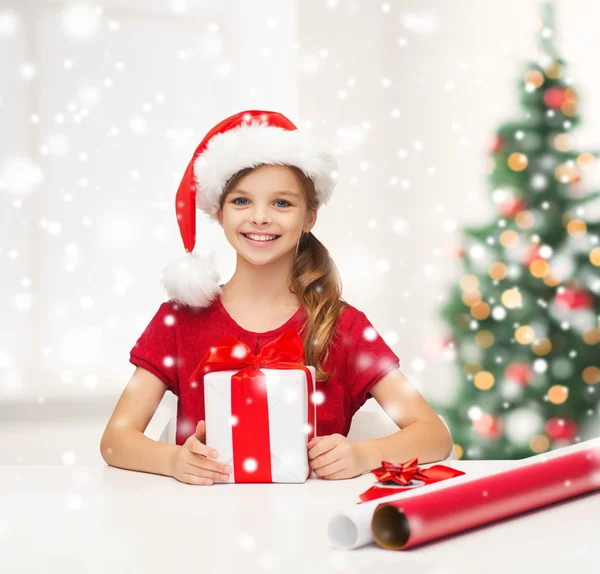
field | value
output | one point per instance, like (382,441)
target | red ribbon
(249,402)
(403,474)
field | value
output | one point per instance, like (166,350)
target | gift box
(259,409)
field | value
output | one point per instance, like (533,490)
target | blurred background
(102,104)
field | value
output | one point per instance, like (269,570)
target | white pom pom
(192,280)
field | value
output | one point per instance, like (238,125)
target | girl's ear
(220,217)
(311,219)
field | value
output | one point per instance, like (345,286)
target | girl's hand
(192,462)
(334,457)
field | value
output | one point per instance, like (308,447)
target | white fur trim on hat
(253,144)
(192,279)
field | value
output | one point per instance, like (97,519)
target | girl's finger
(198,447)
(193,479)
(210,465)
(316,440)
(207,473)
(331,469)
(323,460)
(340,474)
(323,449)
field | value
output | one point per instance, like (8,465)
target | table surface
(85,519)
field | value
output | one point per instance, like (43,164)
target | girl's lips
(260,243)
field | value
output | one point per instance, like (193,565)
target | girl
(263,180)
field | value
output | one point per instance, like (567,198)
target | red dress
(177,338)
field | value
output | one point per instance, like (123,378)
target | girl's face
(269,200)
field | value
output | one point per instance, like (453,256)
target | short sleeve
(369,359)
(156,349)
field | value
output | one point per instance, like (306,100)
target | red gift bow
(249,402)
(402,474)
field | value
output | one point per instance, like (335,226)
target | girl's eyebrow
(284,192)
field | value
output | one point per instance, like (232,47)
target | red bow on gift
(400,473)
(249,402)
(403,474)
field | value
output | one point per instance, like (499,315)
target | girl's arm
(423,433)
(124,443)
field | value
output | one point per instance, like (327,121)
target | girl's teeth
(256,239)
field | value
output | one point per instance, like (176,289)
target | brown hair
(315,281)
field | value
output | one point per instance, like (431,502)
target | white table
(63,519)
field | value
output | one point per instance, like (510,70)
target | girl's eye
(244,199)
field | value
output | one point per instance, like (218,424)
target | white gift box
(288,406)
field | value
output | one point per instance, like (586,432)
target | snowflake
(246,542)
(68,457)
(318,398)
(239,352)
(370,334)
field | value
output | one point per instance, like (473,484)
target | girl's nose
(259,216)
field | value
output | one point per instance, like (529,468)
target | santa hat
(245,140)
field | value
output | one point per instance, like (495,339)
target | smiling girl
(263,181)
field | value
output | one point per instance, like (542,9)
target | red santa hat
(246,139)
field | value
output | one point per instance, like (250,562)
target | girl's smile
(261,242)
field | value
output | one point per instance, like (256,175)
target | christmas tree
(524,312)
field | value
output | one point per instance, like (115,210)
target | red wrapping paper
(402,524)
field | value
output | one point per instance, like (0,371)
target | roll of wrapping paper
(403,524)
(351,528)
